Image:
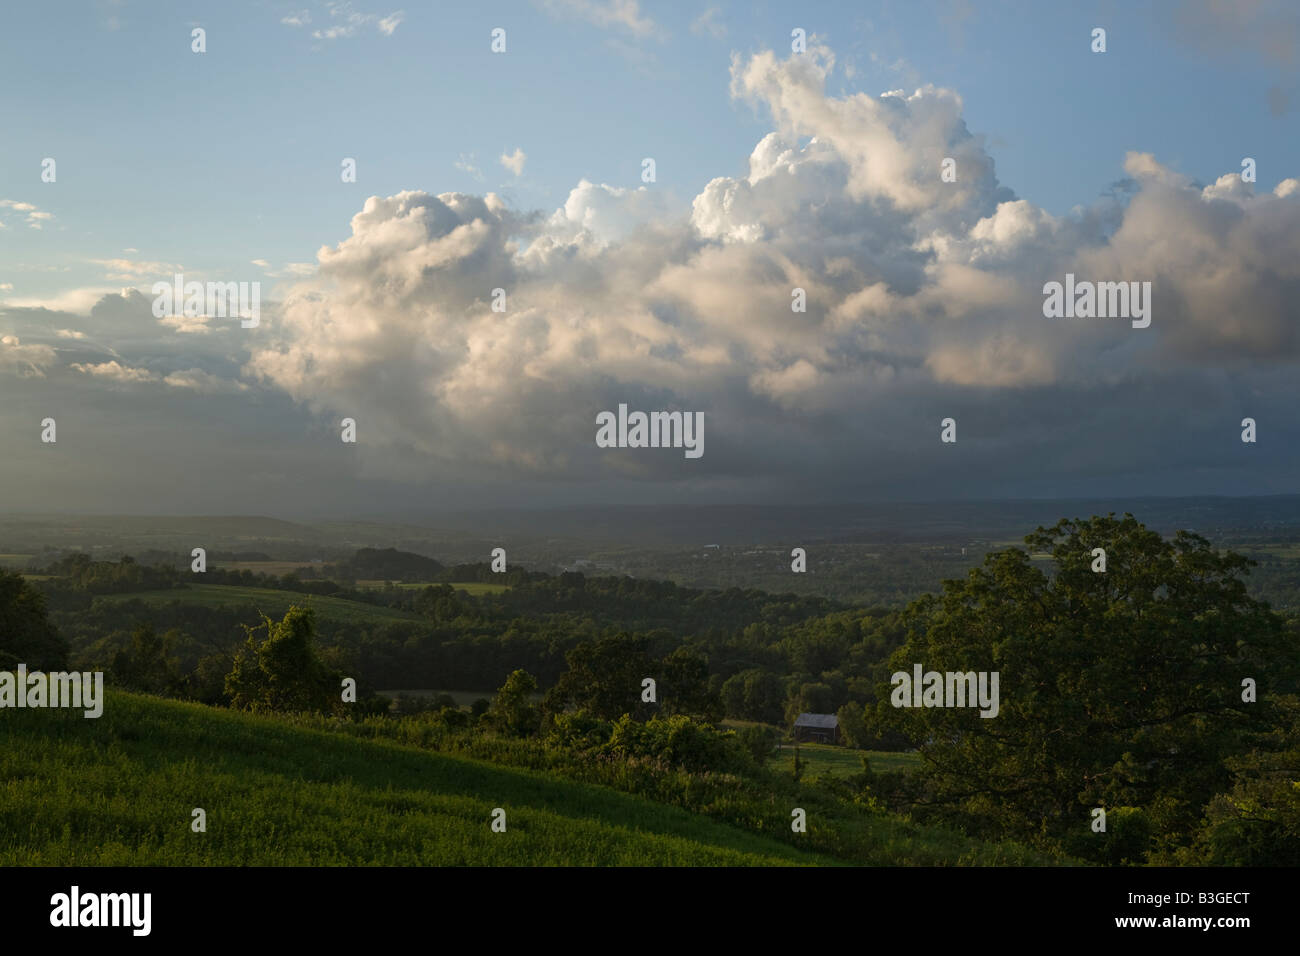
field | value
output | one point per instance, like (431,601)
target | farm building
(818,728)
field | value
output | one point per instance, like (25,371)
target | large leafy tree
(282,671)
(755,694)
(683,687)
(604,679)
(512,709)
(148,663)
(1257,822)
(1117,689)
(26,634)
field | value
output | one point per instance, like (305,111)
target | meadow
(120,790)
(819,759)
(310,790)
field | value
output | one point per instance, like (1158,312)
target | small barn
(817,728)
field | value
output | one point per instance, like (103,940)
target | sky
(525,170)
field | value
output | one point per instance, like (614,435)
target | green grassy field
(469,587)
(827,759)
(842,761)
(274,603)
(119,790)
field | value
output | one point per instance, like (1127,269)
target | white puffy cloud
(75,301)
(115,371)
(184,324)
(28,361)
(596,212)
(190,379)
(514,161)
(197,380)
(917,290)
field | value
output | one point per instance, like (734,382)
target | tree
(513,710)
(759,742)
(732,693)
(1117,689)
(852,725)
(26,634)
(754,694)
(683,686)
(1257,822)
(283,672)
(816,698)
(207,682)
(148,663)
(604,678)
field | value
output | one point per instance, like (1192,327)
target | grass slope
(119,790)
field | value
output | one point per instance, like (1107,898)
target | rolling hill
(120,790)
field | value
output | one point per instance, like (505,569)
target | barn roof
(820,721)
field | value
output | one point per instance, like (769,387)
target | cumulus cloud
(599,213)
(115,371)
(27,361)
(514,161)
(197,380)
(921,296)
(184,324)
(114,341)
(74,301)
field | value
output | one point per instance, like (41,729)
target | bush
(759,742)
(677,740)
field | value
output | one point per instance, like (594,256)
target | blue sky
(776,170)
